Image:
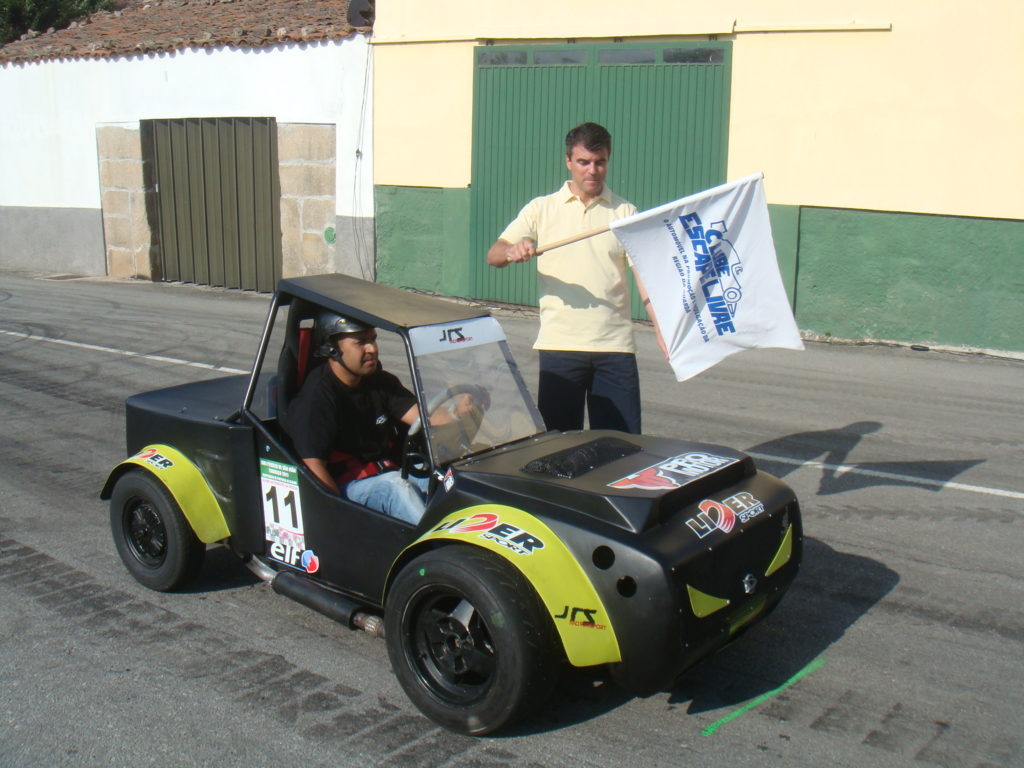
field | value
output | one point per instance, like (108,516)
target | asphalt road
(899,645)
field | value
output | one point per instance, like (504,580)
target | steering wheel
(478,393)
(414,456)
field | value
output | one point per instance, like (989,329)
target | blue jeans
(607,382)
(390,494)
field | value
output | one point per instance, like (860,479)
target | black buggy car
(643,554)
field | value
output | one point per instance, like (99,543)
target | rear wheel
(152,536)
(469,639)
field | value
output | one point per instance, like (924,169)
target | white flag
(708,264)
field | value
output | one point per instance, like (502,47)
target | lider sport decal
(490,527)
(154,458)
(722,515)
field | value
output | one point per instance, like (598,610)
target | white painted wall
(50,111)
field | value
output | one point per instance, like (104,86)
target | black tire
(152,536)
(469,639)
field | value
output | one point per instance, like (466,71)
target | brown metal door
(217,201)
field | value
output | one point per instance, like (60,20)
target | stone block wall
(307,168)
(124,197)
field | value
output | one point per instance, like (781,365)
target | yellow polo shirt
(583,287)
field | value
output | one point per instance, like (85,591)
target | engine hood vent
(577,461)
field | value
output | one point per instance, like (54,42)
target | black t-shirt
(328,416)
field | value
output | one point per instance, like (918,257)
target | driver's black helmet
(327,325)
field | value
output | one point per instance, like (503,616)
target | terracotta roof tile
(166,25)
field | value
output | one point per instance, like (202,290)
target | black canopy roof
(379,305)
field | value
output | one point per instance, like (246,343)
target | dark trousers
(608,382)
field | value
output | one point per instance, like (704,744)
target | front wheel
(152,536)
(469,640)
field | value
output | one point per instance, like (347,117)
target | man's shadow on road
(830,449)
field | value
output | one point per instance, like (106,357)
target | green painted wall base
(785,221)
(423,239)
(911,278)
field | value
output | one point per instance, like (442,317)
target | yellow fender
(185,483)
(535,551)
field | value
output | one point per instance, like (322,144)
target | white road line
(124,352)
(840,468)
(854,470)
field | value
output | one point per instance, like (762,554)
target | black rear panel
(196,419)
(665,628)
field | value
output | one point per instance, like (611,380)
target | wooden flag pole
(573,239)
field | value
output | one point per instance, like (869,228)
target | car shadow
(832,591)
(222,570)
(830,449)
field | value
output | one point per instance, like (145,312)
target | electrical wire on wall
(364,245)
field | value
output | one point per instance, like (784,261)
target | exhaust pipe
(330,604)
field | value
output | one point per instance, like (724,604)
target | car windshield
(474,392)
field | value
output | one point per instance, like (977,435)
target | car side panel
(321,534)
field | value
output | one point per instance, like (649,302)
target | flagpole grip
(573,239)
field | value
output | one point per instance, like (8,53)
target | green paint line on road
(763,697)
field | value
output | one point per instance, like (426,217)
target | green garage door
(666,105)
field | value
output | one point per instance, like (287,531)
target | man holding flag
(585,343)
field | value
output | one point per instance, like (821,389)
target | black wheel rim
(450,646)
(145,533)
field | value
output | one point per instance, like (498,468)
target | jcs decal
(722,515)
(454,335)
(490,527)
(580,617)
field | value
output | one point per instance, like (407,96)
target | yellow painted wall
(423,121)
(911,106)
(927,118)
(416,20)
